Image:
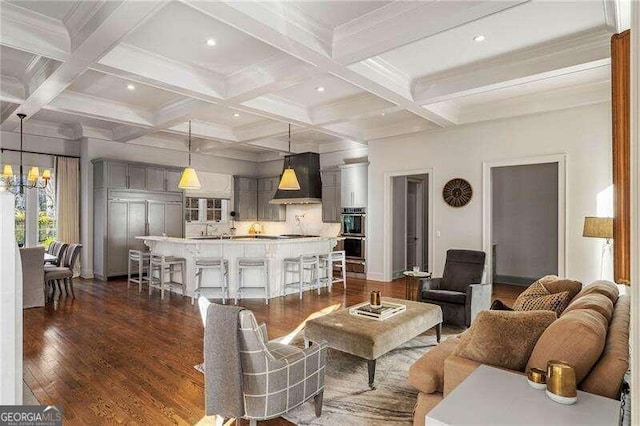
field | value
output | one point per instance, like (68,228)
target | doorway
(410,241)
(524,219)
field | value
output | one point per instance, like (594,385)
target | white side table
(490,396)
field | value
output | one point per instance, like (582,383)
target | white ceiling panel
(320,90)
(13,63)
(226,116)
(116,89)
(332,14)
(520,27)
(180,32)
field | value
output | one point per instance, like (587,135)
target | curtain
(67,178)
(621,137)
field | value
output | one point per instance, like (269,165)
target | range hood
(307,168)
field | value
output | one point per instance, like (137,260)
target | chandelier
(34,180)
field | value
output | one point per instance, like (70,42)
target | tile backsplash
(301,219)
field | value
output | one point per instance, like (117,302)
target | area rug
(347,397)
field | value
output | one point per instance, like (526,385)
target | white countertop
(235,240)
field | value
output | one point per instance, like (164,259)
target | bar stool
(141,260)
(166,265)
(329,262)
(298,265)
(252,263)
(214,264)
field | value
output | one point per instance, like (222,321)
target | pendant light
(189,178)
(289,180)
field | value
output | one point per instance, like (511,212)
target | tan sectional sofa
(592,333)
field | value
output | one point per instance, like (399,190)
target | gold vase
(561,382)
(375,299)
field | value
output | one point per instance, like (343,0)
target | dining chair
(57,274)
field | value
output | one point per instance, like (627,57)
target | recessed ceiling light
(320,89)
(131,87)
(211,42)
(235,114)
(383,113)
(479,38)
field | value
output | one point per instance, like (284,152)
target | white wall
(584,134)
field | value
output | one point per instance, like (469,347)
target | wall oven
(353,222)
(354,248)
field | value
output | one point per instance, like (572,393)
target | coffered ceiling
(341,72)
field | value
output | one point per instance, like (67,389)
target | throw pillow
(502,338)
(577,338)
(560,285)
(607,288)
(596,301)
(538,298)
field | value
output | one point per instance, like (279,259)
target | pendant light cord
(289,156)
(189,143)
(22,183)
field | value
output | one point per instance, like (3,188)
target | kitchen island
(274,248)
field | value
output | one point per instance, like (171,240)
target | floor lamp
(600,227)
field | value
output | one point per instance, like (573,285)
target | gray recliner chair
(460,292)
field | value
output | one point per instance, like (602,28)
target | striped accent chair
(58,249)
(275,377)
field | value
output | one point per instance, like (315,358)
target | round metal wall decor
(457,192)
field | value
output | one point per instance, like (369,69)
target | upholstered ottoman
(369,338)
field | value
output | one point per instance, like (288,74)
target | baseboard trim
(514,280)
(376,276)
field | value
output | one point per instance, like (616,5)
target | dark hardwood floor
(112,355)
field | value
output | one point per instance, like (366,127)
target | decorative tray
(386,311)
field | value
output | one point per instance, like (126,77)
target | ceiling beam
(107,27)
(368,36)
(551,59)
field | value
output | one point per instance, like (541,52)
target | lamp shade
(189,179)
(289,180)
(46,174)
(33,174)
(7,171)
(598,227)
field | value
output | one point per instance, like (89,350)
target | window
(205,209)
(35,214)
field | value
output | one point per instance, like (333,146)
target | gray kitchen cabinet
(155,218)
(117,175)
(354,185)
(246,198)
(173,221)
(267,188)
(137,176)
(155,178)
(173,179)
(136,224)
(117,212)
(121,215)
(110,174)
(331,208)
